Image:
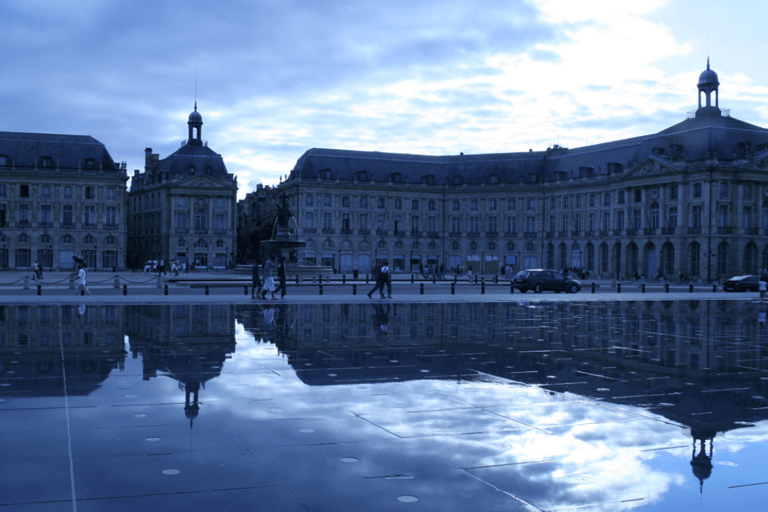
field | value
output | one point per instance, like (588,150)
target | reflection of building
(60,196)
(690,198)
(31,340)
(188,343)
(697,363)
(183,206)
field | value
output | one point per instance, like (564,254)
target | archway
(651,269)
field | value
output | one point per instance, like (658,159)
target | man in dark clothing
(281,276)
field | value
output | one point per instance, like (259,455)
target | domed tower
(708,83)
(195,128)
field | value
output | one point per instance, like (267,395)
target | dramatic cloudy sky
(275,78)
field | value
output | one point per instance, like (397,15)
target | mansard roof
(201,158)
(26,150)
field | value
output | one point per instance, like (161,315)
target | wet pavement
(537,403)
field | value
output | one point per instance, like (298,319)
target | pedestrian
(763,289)
(82,285)
(381,279)
(38,269)
(269,281)
(387,279)
(281,276)
(255,279)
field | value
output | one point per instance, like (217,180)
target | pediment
(203,182)
(650,167)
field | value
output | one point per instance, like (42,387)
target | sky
(274,79)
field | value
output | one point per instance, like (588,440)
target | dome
(195,116)
(708,77)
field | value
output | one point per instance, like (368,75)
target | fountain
(284,241)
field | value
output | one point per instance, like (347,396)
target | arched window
(88,239)
(110,240)
(201,244)
(46,239)
(67,239)
(455,246)
(23,238)
(473,246)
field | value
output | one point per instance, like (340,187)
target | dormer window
(361,176)
(325,174)
(494,179)
(90,163)
(4,161)
(457,179)
(46,162)
(191,169)
(429,179)
(396,177)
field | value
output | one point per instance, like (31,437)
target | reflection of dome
(701,464)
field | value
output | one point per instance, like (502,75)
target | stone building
(60,196)
(692,198)
(183,206)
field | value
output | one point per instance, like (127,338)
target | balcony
(363,232)
(455,234)
(310,230)
(346,231)
(433,234)
(576,233)
(667,231)
(725,230)
(181,231)
(589,233)
(473,234)
(604,233)
(510,234)
(491,234)
(530,234)
(329,231)
(752,231)
(694,231)
(649,231)
(630,232)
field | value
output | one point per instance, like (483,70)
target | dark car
(544,280)
(742,284)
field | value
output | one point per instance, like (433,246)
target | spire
(195,123)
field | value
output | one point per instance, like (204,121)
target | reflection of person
(380,319)
(82,286)
(763,287)
(761,316)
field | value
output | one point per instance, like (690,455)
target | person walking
(281,277)
(378,284)
(255,279)
(387,280)
(82,285)
(269,281)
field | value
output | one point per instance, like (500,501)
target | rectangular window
(3,190)
(363,202)
(564,223)
(23,190)
(309,200)
(414,204)
(491,204)
(432,205)
(530,224)
(747,217)
(592,200)
(363,219)
(607,199)
(220,222)
(578,200)
(346,202)
(381,223)
(474,224)
(697,190)
(89,215)
(24,214)
(673,217)
(201,223)
(181,221)
(45,191)
(606,222)
(492,224)
(67,215)
(455,224)
(552,224)
(90,193)
(511,224)
(723,190)
(346,227)
(473,205)
(67,192)
(414,224)
(566,202)
(696,217)
(456,206)
(512,204)
(673,192)
(381,203)
(722,216)
(620,199)
(111,194)
(327,220)
(620,220)
(328,201)
(577,222)
(220,204)
(432,224)
(46,216)
(309,220)
(591,222)
(637,219)
(110,216)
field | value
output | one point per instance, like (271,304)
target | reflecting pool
(657,405)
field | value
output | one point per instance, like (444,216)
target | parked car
(742,284)
(540,280)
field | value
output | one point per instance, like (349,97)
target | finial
(196,100)
(707,61)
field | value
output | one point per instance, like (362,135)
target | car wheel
(538,288)
(523,290)
(574,288)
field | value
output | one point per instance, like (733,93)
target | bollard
(411,278)
(125,289)
(482,287)
(618,287)
(165,290)
(495,279)
(455,279)
(453,288)
(39,290)
(434,278)
(666,287)
(321,288)
(366,279)
(343,278)
(206,289)
(421,289)
(511,287)
(320,279)
(593,287)
(82,292)
(476,279)
(297,278)
(690,288)
(354,289)
(642,287)
(245,290)
(714,288)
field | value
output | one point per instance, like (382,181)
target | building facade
(60,196)
(692,198)
(184,206)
